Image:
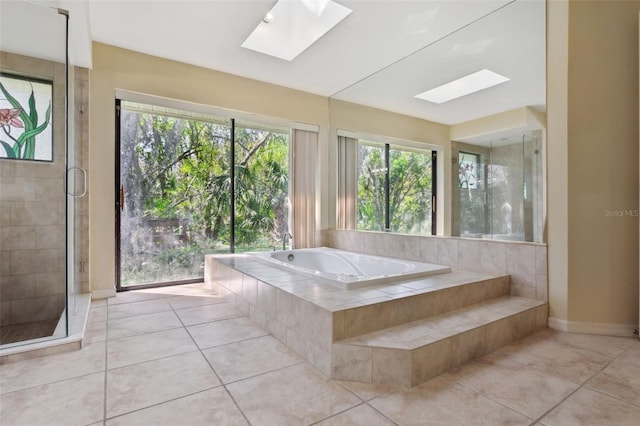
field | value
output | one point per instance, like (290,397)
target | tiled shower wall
(525,262)
(32,209)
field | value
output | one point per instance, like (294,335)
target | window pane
(174,173)
(371,181)
(262,188)
(410,191)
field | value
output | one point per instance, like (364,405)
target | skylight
(466,85)
(291,26)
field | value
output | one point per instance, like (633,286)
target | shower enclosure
(42,183)
(497,189)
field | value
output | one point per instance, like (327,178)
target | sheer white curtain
(347,182)
(304,145)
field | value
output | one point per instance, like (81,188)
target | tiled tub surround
(526,263)
(395,334)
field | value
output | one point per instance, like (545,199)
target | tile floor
(182,356)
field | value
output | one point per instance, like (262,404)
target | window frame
(405,146)
(183,111)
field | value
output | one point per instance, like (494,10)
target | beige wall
(516,120)
(593,164)
(116,68)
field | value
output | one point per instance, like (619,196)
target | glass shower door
(34,208)
(510,189)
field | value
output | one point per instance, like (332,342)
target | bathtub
(347,269)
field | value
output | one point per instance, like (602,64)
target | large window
(396,188)
(179,198)
(261,187)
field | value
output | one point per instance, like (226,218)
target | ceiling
(381,55)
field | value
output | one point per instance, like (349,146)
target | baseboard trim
(103,294)
(607,329)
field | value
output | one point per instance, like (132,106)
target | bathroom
(320,210)
(580,261)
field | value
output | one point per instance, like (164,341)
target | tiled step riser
(402,367)
(299,324)
(366,319)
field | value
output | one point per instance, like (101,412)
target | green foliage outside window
(178,170)
(410,178)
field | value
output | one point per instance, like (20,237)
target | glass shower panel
(471,199)
(499,191)
(506,183)
(33,174)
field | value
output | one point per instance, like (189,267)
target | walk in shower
(497,188)
(43,223)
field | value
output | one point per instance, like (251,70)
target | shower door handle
(84,182)
(121,197)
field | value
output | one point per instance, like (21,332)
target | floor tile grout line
(302,361)
(161,403)
(169,305)
(580,386)
(149,299)
(603,393)
(183,396)
(602,370)
(488,397)
(50,383)
(154,359)
(173,327)
(530,367)
(386,392)
(237,341)
(380,412)
(145,333)
(361,403)
(216,320)
(224,386)
(232,382)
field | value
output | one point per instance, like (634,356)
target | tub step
(431,296)
(411,353)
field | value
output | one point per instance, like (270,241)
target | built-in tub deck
(334,298)
(383,333)
(349,270)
